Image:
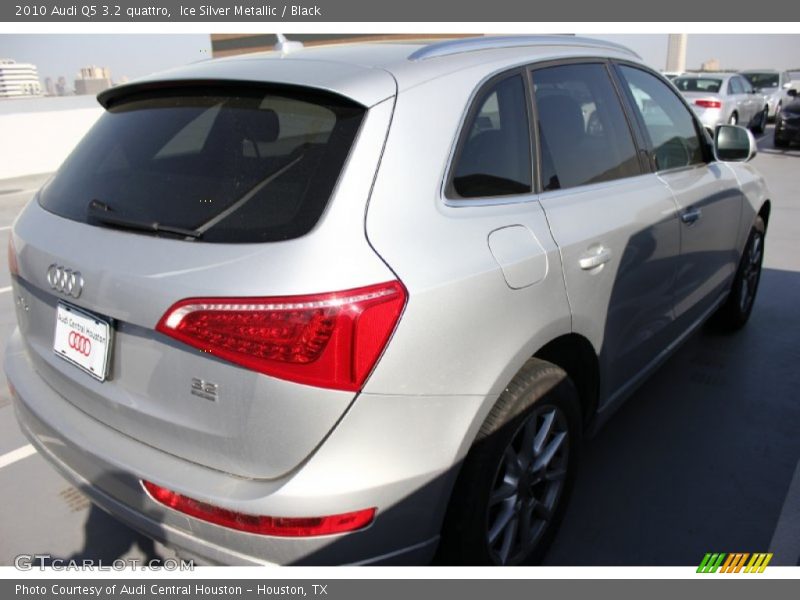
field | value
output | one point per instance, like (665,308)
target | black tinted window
(698,84)
(235,165)
(582,129)
(669,124)
(763,80)
(495,157)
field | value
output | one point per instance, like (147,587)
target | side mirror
(792,92)
(734,143)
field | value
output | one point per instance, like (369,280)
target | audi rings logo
(79,343)
(65,280)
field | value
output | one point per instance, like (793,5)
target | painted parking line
(10,458)
(5,289)
(5,227)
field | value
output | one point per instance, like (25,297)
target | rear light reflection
(708,103)
(13,266)
(275,526)
(328,340)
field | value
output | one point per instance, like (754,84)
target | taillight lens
(13,266)
(708,103)
(276,526)
(327,340)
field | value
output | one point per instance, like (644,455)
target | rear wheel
(778,141)
(734,118)
(512,490)
(737,308)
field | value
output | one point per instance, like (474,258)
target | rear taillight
(708,103)
(277,526)
(327,340)
(13,266)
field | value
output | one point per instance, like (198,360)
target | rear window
(762,80)
(698,84)
(229,165)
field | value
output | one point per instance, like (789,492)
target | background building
(676,52)
(18,79)
(93,80)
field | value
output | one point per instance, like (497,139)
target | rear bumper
(399,454)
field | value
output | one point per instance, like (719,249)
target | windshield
(698,84)
(762,80)
(234,165)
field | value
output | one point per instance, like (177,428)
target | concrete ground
(704,457)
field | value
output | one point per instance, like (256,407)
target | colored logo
(80,343)
(734,563)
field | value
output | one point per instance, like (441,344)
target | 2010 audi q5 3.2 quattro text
(357,303)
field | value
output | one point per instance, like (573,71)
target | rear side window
(495,151)
(735,86)
(673,137)
(583,132)
(229,165)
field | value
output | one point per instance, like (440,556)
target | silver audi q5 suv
(359,303)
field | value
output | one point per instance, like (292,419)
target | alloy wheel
(528,486)
(751,273)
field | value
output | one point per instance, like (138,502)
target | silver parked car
(774,85)
(720,98)
(359,303)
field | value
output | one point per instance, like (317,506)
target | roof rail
(459,46)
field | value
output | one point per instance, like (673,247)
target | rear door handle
(691,215)
(594,257)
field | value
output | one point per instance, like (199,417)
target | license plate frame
(83,339)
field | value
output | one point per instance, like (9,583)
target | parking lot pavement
(704,457)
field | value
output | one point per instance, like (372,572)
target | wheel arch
(576,355)
(764,212)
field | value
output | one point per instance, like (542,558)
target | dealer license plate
(82,339)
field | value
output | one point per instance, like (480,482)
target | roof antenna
(286,46)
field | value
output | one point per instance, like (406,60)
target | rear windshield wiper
(102,212)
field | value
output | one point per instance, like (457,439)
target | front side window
(670,126)
(583,133)
(495,155)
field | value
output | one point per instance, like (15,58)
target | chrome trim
(450,47)
(64,280)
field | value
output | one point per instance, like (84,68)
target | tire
(539,409)
(734,118)
(735,312)
(761,122)
(779,142)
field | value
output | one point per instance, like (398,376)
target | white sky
(137,54)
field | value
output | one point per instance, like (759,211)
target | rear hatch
(224,195)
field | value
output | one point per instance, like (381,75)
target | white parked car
(721,98)
(774,85)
